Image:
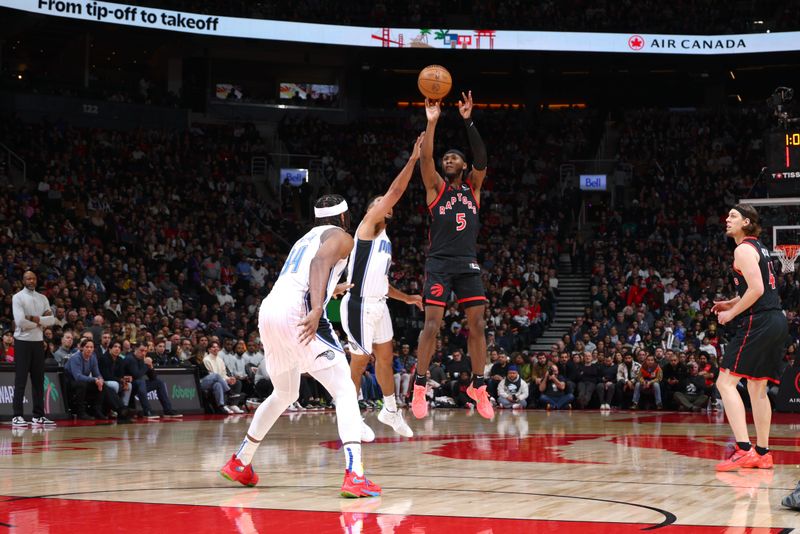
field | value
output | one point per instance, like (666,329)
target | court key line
(669,517)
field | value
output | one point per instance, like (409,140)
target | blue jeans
(125,395)
(369,388)
(142,386)
(215,383)
(557,402)
(637,392)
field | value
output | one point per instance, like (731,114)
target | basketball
(434,82)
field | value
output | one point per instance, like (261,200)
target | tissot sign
(387,37)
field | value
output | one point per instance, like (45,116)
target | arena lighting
(483,105)
(576,105)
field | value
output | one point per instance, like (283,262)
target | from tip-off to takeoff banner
(273,30)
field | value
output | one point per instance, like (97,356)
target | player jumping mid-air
(452,263)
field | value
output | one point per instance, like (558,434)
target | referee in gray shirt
(32,314)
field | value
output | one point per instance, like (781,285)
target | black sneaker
(43,421)
(172,413)
(19,422)
(85,417)
(793,499)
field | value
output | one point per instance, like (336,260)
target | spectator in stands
(211,382)
(455,366)
(87,384)
(237,367)
(649,382)
(691,394)
(588,376)
(139,372)
(215,366)
(674,373)
(497,374)
(459,388)
(512,391)
(607,386)
(66,349)
(553,391)
(7,347)
(627,377)
(112,369)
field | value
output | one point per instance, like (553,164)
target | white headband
(330,211)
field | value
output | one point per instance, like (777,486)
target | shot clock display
(783,162)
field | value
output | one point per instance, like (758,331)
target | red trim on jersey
(469,184)
(438,198)
(746,240)
(435,303)
(751,377)
(744,342)
(471,299)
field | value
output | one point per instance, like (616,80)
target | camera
(778,100)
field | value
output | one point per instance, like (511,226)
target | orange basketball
(434,82)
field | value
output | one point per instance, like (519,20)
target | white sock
(390,403)
(352,458)
(246,451)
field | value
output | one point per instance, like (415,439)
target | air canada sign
(637,42)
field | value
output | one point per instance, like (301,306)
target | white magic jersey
(294,277)
(368,267)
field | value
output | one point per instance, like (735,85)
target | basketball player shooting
(756,350)
(365,315)
(298,338)
(452,264)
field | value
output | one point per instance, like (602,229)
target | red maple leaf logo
(636,42)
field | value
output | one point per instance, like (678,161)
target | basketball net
(787,254)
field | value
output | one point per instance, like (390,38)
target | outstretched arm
(336,245)
(476,144)
(396,189)
(430,177)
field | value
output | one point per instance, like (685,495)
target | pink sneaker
(482,400)
(419,404)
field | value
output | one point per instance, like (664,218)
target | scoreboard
(783,161)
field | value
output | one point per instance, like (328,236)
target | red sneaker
(235,471)
(739,460)
(765,462)
(419,404)
(355,486)
(481,398)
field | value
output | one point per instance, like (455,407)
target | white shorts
(366,322)
(277,326)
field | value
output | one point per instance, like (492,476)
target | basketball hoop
(787,254)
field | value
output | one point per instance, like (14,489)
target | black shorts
(756,351)
(468,288)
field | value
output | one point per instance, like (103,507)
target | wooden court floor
(523,472)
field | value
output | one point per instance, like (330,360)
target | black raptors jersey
(769,300)
(454,231)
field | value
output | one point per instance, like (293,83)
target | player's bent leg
(239,468)
(336,379)
(389,414)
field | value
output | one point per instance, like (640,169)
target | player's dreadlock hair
(342,220)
